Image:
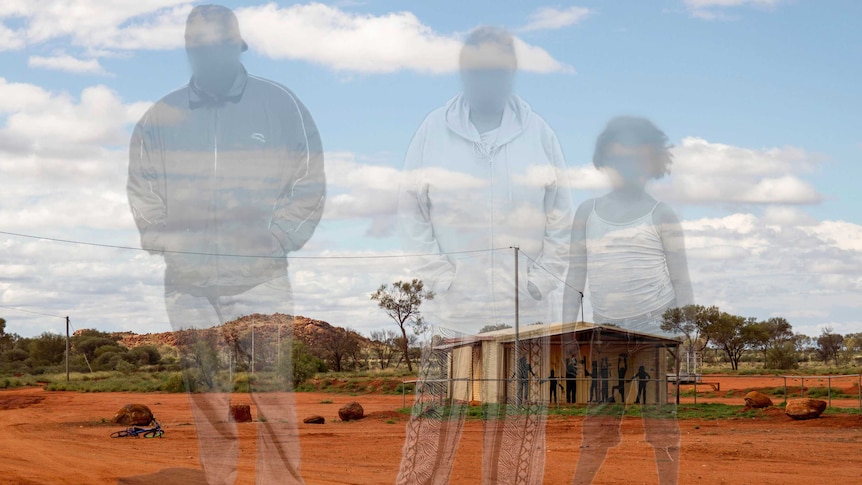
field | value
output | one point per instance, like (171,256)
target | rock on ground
(805,408)
(241,413)
(314,420)
(133,415)
(757,400)
(351,411)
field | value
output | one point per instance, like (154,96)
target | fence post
(695,389)
(859,391)
(403,395)
(829,390)
(803,387)
(785,390)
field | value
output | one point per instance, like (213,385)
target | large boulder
(133,415)
(805,408)
(351,411)
(241,413)
(757,400)
(314,420)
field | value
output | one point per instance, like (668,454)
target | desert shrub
(14,355)
(299,365)
(47,349)
(175,383)
(146,355)
(781,356)
(125,367)
(106,361)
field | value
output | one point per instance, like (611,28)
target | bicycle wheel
(156,433)
(119,434)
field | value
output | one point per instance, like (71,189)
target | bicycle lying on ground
(136,431)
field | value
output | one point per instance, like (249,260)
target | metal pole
(829,390)
(252,349)
(278,347)
(68,347)
(803,387)
(785,390)
(517,326)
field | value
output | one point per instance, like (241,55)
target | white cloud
(746,264)
(99,24)
(64,160)
(313,32)
(718,9)
(67,63)
(708,172)
(347,41)
(550,18)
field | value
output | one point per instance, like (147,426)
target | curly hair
(631,131)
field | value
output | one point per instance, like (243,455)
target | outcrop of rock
(133,415)
(314,420)
(805,408)
(351,411)
(757,400)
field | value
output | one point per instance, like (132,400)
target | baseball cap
(212,24)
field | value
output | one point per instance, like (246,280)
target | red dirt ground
(58,438)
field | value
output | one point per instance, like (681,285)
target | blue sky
(759,97)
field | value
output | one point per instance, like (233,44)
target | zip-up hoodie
(229,179)
(462,194)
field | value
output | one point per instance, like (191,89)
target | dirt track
(57,438)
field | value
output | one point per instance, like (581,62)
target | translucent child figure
(629,248)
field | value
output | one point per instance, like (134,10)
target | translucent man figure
(484,172)
(225,179)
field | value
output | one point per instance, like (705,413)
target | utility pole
(67,348)
(517,322)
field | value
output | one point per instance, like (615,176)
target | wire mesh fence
(844,390)
(841,390)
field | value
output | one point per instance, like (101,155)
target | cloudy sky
(760,98)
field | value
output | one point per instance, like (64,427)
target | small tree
(781,356)
(731,334)
(338,345)
(770,333)
(829,345)
(494,327)
(384,345)
(401,302)
(5,338)
(47,349)
(301,365)
(694,321)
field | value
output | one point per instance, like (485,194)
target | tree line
(771,341)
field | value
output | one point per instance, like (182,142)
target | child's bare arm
(673,241)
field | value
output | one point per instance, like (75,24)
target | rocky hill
(308,330)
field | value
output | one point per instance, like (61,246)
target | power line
(196,253)
(546,270)
(31,311)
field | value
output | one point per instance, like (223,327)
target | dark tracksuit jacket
(226,178)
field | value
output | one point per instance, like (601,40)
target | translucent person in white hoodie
(483,174)
(629,247)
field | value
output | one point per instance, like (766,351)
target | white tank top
(626,267)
